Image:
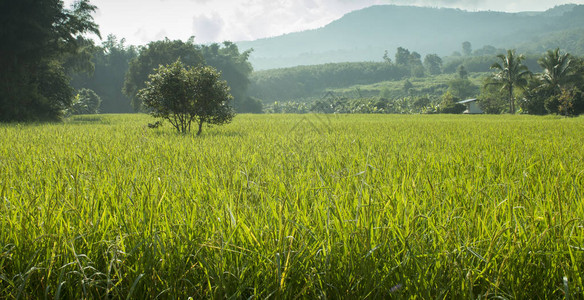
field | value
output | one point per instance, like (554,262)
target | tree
(412,60)
(111,61)
(402,57)
(386,57)
(491,99)
(462,72)
(251,105)
(555,90)
(416,66)
(462,88)
(235,68)
(415,58)
(422,102)
(567,103)
(433,64)
(487,50)
(559,70)
(41,43)
(408,86)
(511,74)
(153,55)
(312,81)
(86,102)
(466,48)
(535,99)
(182,95)
(450,105)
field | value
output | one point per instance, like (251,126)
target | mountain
(364,35)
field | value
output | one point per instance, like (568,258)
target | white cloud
(208,28)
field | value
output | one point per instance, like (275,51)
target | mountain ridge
(364,35)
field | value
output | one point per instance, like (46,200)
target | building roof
(467,101)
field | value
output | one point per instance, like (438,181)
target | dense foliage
(235,69)
(510,74)
(483,63)
(41,42)
(182,96)
(40,82)
(233,66)
(308,81)
(356,89)
(153,55)
(111,61)
(306,206)
(85,102)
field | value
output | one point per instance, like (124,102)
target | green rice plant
(294,206)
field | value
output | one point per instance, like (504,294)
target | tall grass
(294,206)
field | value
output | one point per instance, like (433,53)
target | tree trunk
(200,128)
(511,101)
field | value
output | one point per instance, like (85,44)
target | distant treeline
(482,63)
(111,61)
(49,68)
(310,82)
(407,83)
(307,81)
(510,82)
(121,71)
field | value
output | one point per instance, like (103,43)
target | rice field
(294,206)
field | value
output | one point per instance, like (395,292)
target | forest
(399,80)
(386,87)
(404,83)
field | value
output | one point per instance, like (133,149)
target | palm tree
(511,74)
(559,70)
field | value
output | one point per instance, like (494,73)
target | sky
(142,21)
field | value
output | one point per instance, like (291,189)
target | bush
(250,105)
(449,105)
(85,102)
(569,102)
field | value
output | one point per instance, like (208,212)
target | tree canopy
(151,56)
(183,94)
(85,102)
(234,67)
(433,63)
(510,74)
(559,70)
(41,43)
(111,61)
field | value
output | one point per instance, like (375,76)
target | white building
(472,106)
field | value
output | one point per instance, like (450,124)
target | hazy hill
(365,34)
